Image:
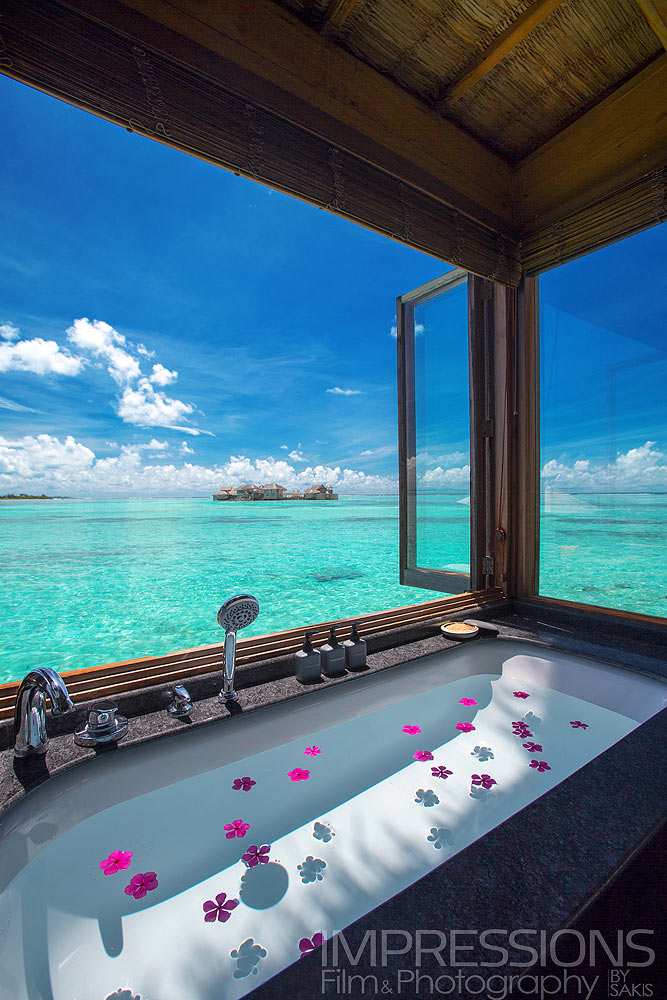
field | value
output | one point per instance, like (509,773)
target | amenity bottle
(333,656)
(355,650)
(308,662)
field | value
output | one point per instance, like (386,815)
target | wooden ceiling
(511,73)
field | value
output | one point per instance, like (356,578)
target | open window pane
(603,427)
(435,429)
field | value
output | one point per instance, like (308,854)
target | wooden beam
(655,12)
(619,140)
(337,13)
(501,46)
(305,77)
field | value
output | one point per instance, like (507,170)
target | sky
(167,328)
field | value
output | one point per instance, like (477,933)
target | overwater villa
(479,800)
(273,491)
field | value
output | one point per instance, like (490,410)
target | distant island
(272,491)
(29,496)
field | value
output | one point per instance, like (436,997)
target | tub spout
(30,711)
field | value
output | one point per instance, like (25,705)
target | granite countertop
(534,871)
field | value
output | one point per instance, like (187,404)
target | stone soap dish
(459,630)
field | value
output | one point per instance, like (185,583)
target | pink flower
(236,829)
(244,783)
(306,945)
(141,884)
(467,701)
(423,755)
(220,910)
(412,730)
(521,694)
(312,751)
(521,730)
(533,747)
(299,774)
(116,862)
(465,727)
(540,765)
(579,725)
(440,772)
(485,780)
(256,855)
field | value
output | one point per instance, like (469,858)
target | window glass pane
(603,427)
(442,432)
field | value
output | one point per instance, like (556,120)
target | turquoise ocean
(87,582)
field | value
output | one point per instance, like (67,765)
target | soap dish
(459,630)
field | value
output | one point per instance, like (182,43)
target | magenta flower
(306,945)
(540,765)
(236,829)
(440,772)
(521,729)
(521,694)
(533,747)
(412,730)
(220,910)
(465,727)
(244,783)
(116,862)
(141,884)
(299,774)
(579,725)
(256,855)
(467,701)
(312,751)
(485,780)
(423,755)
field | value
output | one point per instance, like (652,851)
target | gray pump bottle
(333,656)
(308,662)
(355,650)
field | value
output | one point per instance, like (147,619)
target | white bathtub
(371,818)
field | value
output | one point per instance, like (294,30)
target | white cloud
(644,467)
(9,404)
(36,457)
(41,357)
(150,446)
(337,391)
(162,375)
(9,332)
(143,350)
(296,456)
(285,447)
(185,449)
(457,477)
(149,407)
(419,329)
(106,344)
(385,449)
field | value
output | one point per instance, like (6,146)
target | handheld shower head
(235,614)
(238,612)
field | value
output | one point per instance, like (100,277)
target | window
(603,427)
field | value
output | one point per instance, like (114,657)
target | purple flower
(521,729)
(533,747)
(116,862)
(256,855)
(485,780)
(467,701)
(440,772)
(423,755)
(236,829)
(465,727)
(579,725)
(540,765)
(220,910)
(141,884)
(521,694)
(244,783)
(306,945)
(312,751)
(299,774)
(411,730)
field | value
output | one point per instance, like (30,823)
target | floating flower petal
(412,730)
(116,862)
(467,701)
(256,855)
(236,829)
(423,755)
(299,774)
(521,694)
(540,765)
(465,727)
(533,747)
(579,725)
(141,884)
(244,783)
(312,751)
(306,945)
(485,780)
(220,909)
(440,772)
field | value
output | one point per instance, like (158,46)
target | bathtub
(369,819)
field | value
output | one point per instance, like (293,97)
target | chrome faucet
(30,711)
(234,614)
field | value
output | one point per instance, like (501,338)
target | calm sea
(90,582)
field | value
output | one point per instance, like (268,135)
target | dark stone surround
(536,870)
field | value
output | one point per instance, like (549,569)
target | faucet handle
(103,726)
(181,704)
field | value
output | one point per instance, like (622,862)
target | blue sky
(167,327)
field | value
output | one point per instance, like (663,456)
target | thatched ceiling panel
(582,50)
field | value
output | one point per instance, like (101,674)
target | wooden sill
(115,678)
(610,613)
